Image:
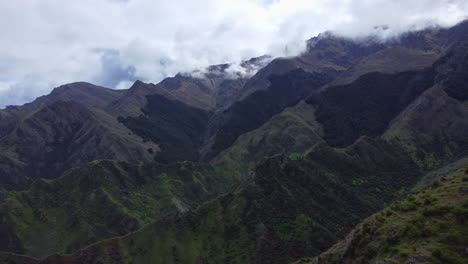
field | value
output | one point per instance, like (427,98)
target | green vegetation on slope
(294,204)
(293,130)
(257,108)
(100,200)
(428,227)
(282,214)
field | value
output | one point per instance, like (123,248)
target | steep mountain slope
(135,98)
(291,132)
(177,128)
(427,227)
(433,128)
(212,89)
(46,137)
(278,216)
(410,52)
(366,106)
(100,200)
(63,135)
(343,60)
(253,111)
(391,125)
(81,92)
(376,104)
(426,109)
(326,55)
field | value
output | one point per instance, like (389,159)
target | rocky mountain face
(223,167)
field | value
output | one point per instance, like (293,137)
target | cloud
(46,43)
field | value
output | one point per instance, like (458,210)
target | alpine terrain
(355,151)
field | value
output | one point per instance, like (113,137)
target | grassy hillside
(278,216)
(311,171)
(427,227)
(100,200)
(292,131)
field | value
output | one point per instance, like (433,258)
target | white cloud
(46,43)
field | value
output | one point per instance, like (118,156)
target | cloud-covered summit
(45,43)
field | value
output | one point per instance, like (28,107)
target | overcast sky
(46,43)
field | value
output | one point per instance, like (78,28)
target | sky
(47,43)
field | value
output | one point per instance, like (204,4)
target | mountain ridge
(266,170)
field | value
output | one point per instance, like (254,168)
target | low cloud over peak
(45,43)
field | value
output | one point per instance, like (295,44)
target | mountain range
(352,152)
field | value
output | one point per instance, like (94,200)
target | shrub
(296,156)
(452,238)
(372,249)
(436,210)
(413,231)
(461,214)
(442,255)
(427,199)
(357,182)
(404,206)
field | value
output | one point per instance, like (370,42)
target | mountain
(250,113)
(433,127)
(411,51)
(100,200)
(276,217)
(233,104)
(222,166)
(176,127)
(211,89)
(64,135)
(80,122)
(292,131)
(341,60)
(80,92)
(398,107)
(426,227)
